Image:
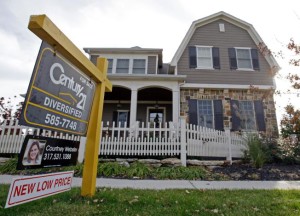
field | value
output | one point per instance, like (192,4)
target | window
(204,57)
(247,115)
(243,58)
(206,113)
(122,66)
(139,66)
(110,65)
(156,116)
(121,117)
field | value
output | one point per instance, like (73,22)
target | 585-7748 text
(62,122)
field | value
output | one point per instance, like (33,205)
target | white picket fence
(12,136)
(141,140)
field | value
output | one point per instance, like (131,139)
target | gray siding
(151,65)
(209,35)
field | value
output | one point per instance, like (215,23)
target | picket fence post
(228,135)
(183,140)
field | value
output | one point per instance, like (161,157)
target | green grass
(161,202)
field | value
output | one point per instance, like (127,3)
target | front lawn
(160,202)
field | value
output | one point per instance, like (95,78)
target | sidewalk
(179,184)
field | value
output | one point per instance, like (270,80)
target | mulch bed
(269,172)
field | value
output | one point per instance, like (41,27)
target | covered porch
(144,101)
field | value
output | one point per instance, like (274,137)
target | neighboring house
(218,78)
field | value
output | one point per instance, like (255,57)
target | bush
(255,152)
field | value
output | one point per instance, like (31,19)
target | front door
(156,116)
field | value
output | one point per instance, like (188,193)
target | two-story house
(218,78)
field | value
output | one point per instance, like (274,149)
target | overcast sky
(128,23)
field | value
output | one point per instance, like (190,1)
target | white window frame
(237,59)
(212,110)
(211,57)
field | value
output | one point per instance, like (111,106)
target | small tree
(290,122)
(9,111)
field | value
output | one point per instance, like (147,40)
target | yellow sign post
(45,29)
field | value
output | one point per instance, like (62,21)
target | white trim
(225,86)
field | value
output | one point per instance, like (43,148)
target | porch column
(176,104)
(133,106)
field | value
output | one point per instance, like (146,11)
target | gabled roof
(229,18)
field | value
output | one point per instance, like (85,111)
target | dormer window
(139,66)
(122,66)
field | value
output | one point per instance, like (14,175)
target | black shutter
(255,62)
(235,115)
(232,58)
(216,57)
(218,113)
(193,56)
(193,114)
(259,114)
(115,117)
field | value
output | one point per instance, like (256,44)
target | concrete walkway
(179,184)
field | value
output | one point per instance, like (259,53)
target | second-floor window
(139,66)
(204,57)
(127,66)
(122,66)
(243,58)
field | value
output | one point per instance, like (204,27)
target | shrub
(255,152)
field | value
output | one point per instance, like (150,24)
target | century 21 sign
(59,96)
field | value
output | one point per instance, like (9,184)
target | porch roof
(152,77)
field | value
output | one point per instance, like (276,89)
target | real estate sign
(59,96)
(29,188)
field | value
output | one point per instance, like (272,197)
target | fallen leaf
(215,211)
(133,201)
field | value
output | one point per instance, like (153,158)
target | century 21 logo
(68,82)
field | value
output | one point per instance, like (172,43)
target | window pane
(205,113)
(139,66)
(122,66)
(204,57)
